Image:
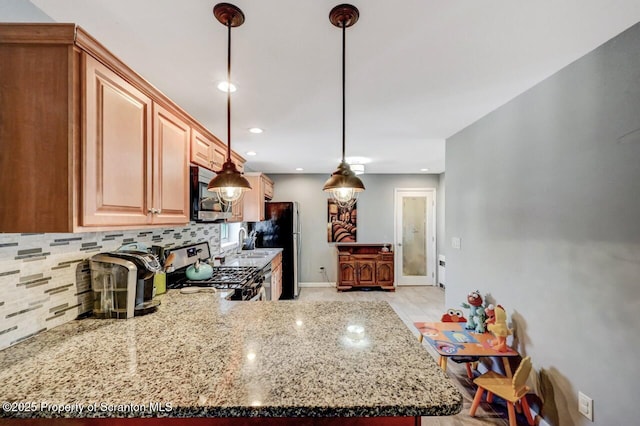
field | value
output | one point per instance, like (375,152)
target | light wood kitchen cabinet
(364,265)
(276,277)
(116,167)
(207,152)
(135,168)
(268,189)
(261,191)
(39,131)
(170,181)
(201,150)
(93,145)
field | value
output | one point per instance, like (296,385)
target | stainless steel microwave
(205,205)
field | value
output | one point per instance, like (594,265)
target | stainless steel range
(245,281)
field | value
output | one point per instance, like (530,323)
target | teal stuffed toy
(477,315)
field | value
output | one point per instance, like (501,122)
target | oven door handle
(266,273)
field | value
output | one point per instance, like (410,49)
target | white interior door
(415,236)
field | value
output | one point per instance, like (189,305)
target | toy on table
(500,330)
(490,312)
(453,315)
(477,315)
(456,315)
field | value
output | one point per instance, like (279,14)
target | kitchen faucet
(242,234)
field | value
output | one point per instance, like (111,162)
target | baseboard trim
(318,284)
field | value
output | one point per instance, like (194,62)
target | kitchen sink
(253,256)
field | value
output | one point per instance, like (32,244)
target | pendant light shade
(229,182)
(343,184)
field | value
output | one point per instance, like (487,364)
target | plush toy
(500,330)
(491,314)
(453,315)
(477,315)
(479,319)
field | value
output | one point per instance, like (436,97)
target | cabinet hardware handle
(152,211)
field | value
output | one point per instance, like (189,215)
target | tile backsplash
(45,278)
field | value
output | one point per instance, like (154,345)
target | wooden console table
(365,265)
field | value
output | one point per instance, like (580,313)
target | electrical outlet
(585,406)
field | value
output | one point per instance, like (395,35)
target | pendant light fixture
(229,182)
(343,184)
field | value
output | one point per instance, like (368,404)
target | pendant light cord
(229,91)
(343,85)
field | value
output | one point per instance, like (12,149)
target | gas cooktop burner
(226,277)
(245,281)
(233,273)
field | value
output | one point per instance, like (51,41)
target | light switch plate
(455,243)
(585,405)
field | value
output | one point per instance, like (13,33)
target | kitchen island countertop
(200,356)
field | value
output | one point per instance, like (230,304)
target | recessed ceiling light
(299,169)
(424,170)
(256,130)
(223,86)
(251,153)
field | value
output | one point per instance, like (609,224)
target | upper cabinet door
(261,190)
(268,188)
(116,167)
(202,149)
(171,139)
(207,152)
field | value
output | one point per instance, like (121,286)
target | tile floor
(423,304)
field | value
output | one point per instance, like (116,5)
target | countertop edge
(242,411)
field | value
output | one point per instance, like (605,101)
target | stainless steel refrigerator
(281,228)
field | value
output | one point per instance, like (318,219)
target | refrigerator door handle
(296,260)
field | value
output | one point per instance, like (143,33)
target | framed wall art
(342,223)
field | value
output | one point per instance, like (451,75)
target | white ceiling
(418,71)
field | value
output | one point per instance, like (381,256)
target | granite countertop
(201,356)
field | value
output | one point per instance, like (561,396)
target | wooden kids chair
(511,390)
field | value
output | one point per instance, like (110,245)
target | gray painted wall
(546,200)
(375,214)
